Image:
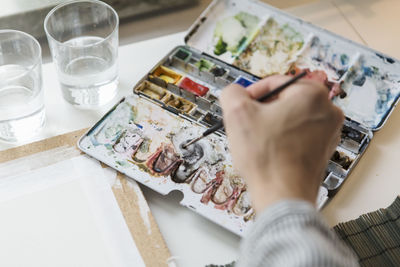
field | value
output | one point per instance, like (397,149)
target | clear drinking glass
(83,40)
(21,94)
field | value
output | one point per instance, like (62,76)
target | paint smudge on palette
(322,56)
(272,51)
(323,64)
(371,93)
(232,34)
(151,142)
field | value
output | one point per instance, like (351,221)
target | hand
(281,148)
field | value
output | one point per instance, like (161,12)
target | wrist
(270,188)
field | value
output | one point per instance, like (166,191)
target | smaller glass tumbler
(83,40)
(21,94)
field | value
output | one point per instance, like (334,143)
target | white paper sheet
(63,215)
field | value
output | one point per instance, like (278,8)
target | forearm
(292,233)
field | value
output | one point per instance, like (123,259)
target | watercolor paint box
(237,42)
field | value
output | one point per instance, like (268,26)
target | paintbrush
(267,96)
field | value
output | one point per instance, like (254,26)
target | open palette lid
(263,41)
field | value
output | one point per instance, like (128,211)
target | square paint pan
(166,74)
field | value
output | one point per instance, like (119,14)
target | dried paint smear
(371,94)
(233,33)
(145,142)
(272,51)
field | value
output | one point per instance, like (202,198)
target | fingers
(233,97)
(238,108)
(339,115)
(306,87)
(259,89)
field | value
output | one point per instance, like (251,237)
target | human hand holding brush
(282,147)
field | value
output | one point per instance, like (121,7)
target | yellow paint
(151,90)
(167,75)
(167,78)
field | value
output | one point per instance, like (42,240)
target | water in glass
(21,102)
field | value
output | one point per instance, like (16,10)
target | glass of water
(83,40)
(21,94)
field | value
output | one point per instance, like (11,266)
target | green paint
(108,146)
(220,47)
(204,65)
(122,163)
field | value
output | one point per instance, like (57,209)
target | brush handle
(214,128)
(281,87)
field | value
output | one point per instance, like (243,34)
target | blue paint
(360,80)
(94,141)
(243,81)
(108,146)
(385,96)
(365,72)
(344,59)
(368,71)
(139,126)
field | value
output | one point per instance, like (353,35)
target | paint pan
(204,65)
(221,82)
(343,159)
(166,74)
(197,114)
(332,182)
(212,98)
(353,139)
(352,134)
(211,119)
(218,71)
(192,86)
(183,54)
(179,103)
(243,81)
(203,103)
(151,90)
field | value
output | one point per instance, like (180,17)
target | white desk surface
(197,241)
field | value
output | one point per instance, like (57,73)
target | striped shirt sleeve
(293,233)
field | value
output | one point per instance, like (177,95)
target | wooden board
(151,244)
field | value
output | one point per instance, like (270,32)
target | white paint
(360,104)
(232,31)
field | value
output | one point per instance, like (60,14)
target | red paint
(215,183)
(152,159)
(193,87)
(231,201)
